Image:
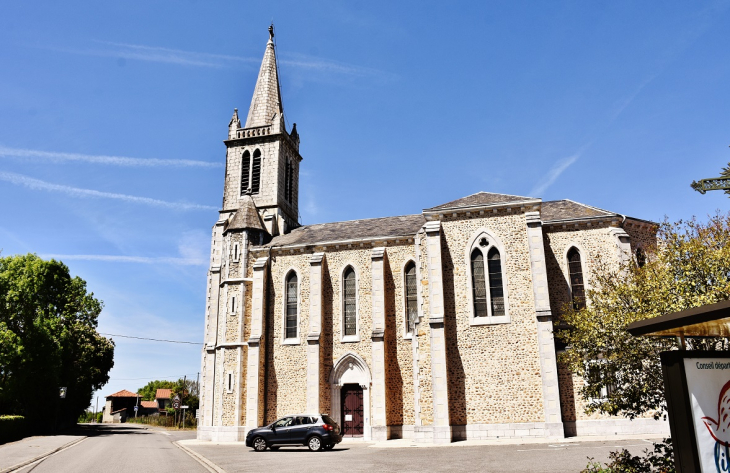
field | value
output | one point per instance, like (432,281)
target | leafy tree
(689,267)
(149,390)
(48,340)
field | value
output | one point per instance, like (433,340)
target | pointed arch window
(411,298)
(292,307)
(640,257)
(349,303)
(289,181)
(245,172)
(487,280)
(496,291)
(575,274)
(479,286)
(256,172)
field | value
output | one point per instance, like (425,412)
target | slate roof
(567,209)
(245,217)
(163,394)
(149,404)
(372,228)
(123,393)
(481,198)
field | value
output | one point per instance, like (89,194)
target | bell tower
(262,160)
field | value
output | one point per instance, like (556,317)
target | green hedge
(12,428)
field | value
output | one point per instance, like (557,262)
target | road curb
(199,458)
(44,455)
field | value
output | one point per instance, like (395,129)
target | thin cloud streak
(56,156)
(196,59)
(37,184)
(130,259)
(554,173)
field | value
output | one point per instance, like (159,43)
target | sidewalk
(23,452)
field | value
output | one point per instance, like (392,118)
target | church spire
(266,108)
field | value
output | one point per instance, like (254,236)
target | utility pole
(182,400)
(97,409)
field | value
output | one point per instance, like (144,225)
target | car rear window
(328,420)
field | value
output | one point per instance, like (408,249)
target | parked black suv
(317,431)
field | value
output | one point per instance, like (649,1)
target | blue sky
(112,118)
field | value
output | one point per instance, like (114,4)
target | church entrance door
(352,411)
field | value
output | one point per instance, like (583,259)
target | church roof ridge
(482,198)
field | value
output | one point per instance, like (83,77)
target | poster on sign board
(708,386)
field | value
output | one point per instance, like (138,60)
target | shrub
(12,428)
(661,460)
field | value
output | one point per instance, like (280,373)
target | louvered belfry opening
(496,291)
(291,306)
(479,288)
(411,297)
(245,172)
(575,271)
(256,172)
(350,307)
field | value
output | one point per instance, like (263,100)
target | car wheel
(259,444)
(315,443)
(273,449)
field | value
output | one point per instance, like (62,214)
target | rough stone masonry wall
(423,333)
(337,260)
(641,236)
(287,369)
(595,243)
(269,174)
(494,370)
(399,350)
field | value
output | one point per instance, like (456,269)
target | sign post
(696,386)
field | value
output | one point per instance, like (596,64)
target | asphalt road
(354,457)
(121,448)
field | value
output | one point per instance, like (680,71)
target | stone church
(436,326)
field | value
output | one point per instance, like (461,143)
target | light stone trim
(228,281)
(349,338)
(616,426)
(294,340)
(406,334)
(255,360)
(507,430)
(623,243)
(496,242)
(583,266)
(315,329)
(439,372)
(546,343)
(378,345)
(351,369)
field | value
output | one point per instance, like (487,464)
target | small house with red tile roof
(147,408)
(119,406)
(163,397)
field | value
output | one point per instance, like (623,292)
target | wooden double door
(352,409)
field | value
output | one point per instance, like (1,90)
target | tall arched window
(245,172)
(411,297)
(287,181)
(349,303)
(640,257)
(256,172)
(479,287)
(290,324)
(575,271)
(496,292)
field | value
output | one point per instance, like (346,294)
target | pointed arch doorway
(350,384)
